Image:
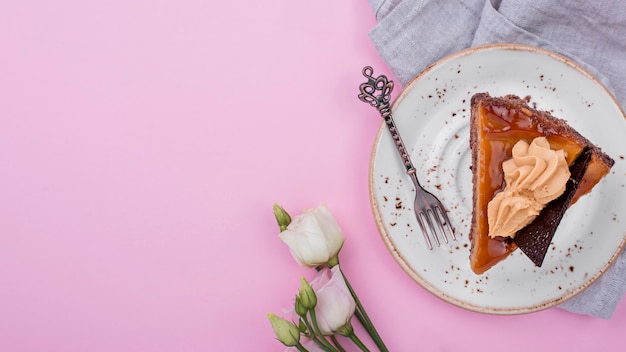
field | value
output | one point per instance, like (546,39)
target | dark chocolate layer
(534,239)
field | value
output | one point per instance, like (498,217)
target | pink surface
(142,145)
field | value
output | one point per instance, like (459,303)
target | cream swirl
(534,176)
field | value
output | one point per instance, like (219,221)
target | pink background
(142,145)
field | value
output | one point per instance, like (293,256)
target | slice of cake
(521,160)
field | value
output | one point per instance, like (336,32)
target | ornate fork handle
(377,92)
(431,214)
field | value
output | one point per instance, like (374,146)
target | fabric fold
(415,34)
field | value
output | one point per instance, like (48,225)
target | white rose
(314,237)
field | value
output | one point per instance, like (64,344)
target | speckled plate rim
(391,246)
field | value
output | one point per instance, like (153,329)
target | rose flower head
(314,238)
(335,304)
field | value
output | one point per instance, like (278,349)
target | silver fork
(428,209)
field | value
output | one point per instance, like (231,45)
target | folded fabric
(412,34)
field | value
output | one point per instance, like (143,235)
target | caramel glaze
(500,127)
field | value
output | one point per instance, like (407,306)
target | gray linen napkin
(412,34)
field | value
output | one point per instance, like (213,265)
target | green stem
(358,342)
(364,318)
(307,332)
(322,342)
(301,348)
(359,316)
(310,333)
(336,342)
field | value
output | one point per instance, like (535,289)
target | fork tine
(447,222)
(424,232)
(430,224)
(437,211)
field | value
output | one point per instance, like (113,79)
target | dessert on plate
(528,168)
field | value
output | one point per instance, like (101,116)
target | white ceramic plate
(432,114)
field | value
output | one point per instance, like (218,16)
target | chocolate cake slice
(535,238)
(496,125)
